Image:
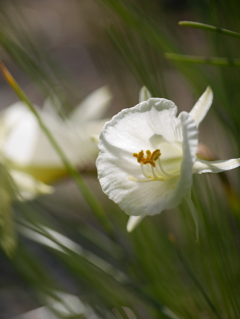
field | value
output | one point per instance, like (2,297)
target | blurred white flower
(148,155)
(26,149)
(27,158)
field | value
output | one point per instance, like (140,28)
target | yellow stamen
(156,154)
(150,158)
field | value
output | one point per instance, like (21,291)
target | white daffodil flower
(27,158)
(148,156)
(26,149)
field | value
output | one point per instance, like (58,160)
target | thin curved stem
(208,27)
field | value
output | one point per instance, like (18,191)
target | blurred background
(66,263)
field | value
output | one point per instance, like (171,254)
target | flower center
(151,167)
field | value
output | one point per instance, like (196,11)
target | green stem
(203,60)
(89,197)
(203,26)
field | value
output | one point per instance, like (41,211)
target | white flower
(26,149)
(27,157)
(148,155)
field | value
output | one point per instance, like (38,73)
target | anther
(155,155)
(139,156)
(149,159)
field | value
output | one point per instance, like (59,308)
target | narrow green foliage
(8,193)
(17,41)
(197,283)
(137,56)
(203,26)
(154,35)
(203,60)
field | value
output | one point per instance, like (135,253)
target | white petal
(27,145)
(201,166)
(88,137)
(28,186)
(144,94)
(133,221)
(21,125)
(189,147)
(194,214)
(202,106)
(142,126)
(93,107)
